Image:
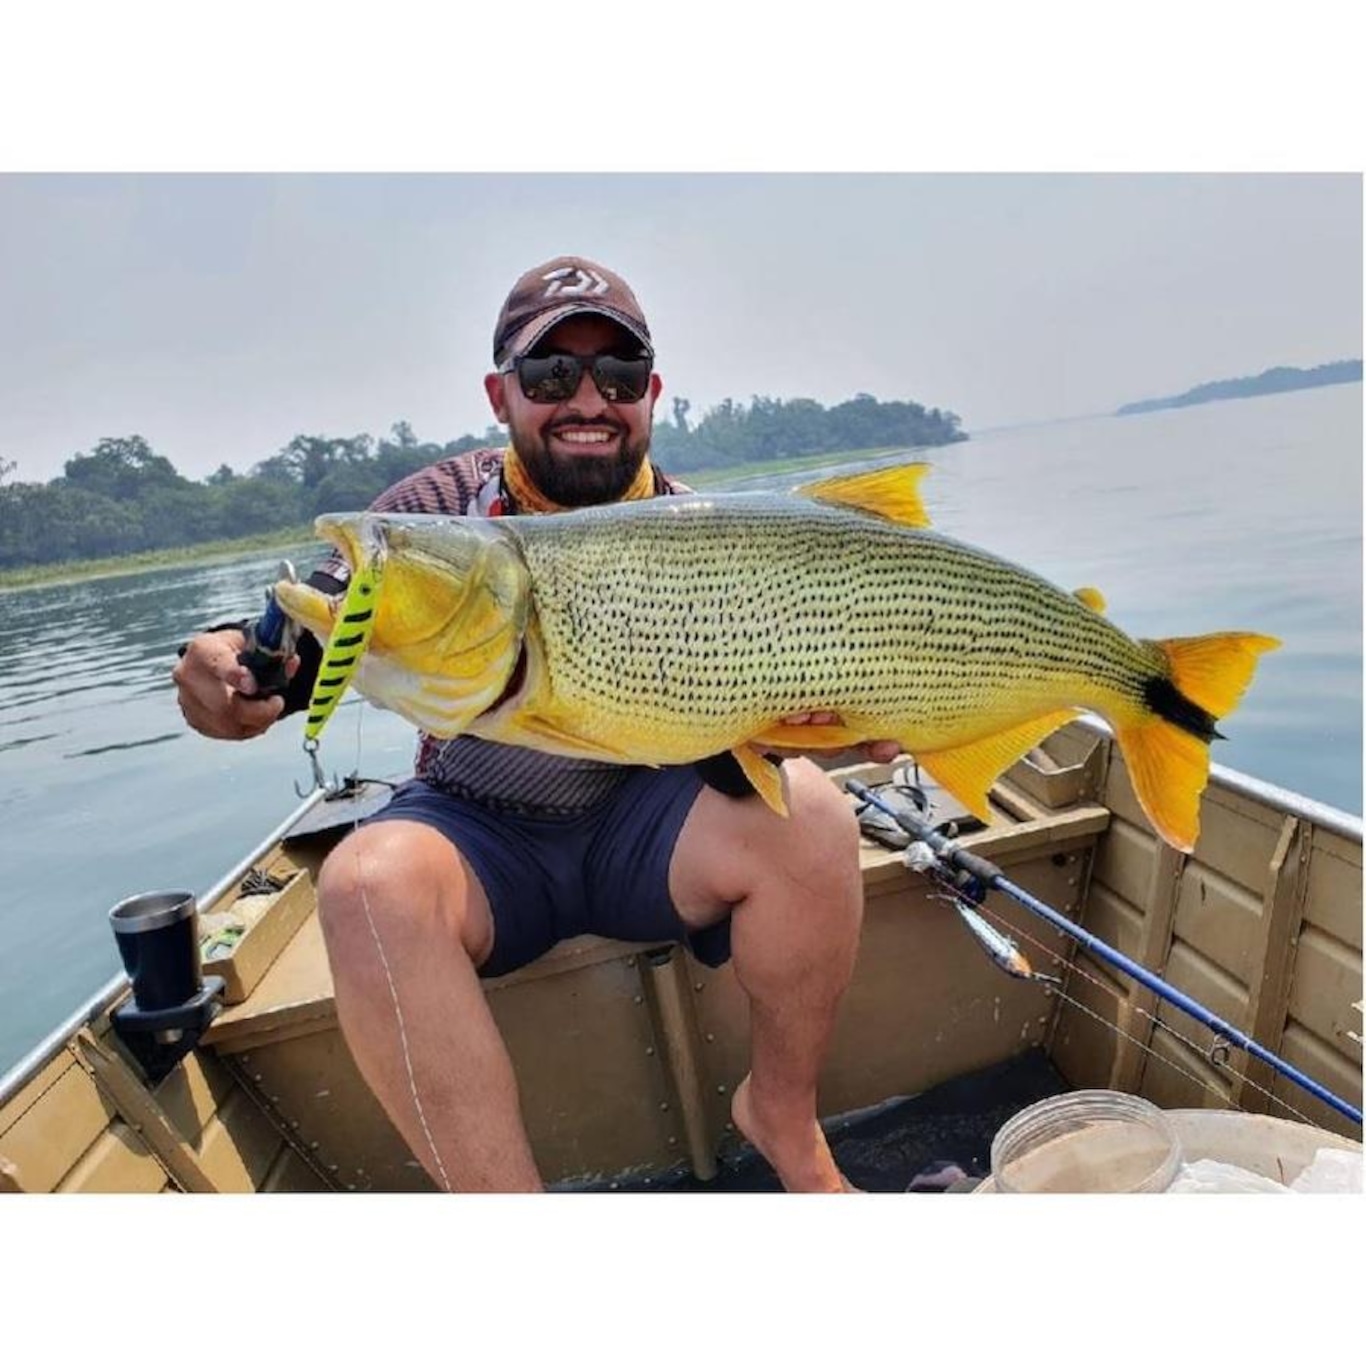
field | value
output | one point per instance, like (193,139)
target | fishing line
(1071,965)
(389,976)
(398,1015)
(957,863)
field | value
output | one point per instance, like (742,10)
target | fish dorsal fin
(891,493)
(1092,597)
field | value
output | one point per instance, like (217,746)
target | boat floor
(935,1141)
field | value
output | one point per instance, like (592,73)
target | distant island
(1279,380)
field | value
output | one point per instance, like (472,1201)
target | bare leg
(406,924)
(797,900)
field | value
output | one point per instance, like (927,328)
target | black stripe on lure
(345,648)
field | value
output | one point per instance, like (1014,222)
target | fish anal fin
(765,777)
(1212,671)
(968,771)
(785,736)
(893,493)
(1169,769)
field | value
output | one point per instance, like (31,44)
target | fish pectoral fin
(968,771)
(785,736)
(764,775)
(891,493)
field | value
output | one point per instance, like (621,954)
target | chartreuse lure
(351,633)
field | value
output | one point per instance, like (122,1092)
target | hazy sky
(219,315)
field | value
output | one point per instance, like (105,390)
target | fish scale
(762,605)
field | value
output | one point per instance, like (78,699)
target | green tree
(122,468)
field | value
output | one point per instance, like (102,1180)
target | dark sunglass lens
(549,379)
(620,380)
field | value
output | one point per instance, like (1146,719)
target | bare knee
(400,879)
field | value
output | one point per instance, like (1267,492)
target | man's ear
(495,388)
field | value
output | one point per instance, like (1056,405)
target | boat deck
(939,1140)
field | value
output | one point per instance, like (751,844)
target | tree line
(123,497)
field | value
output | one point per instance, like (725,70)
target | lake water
(1240,515)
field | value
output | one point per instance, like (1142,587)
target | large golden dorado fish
(669,630)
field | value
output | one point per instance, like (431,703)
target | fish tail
(351,632)
(1166,742)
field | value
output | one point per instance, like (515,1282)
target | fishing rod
(986,874)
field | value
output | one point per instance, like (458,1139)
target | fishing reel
(271,641)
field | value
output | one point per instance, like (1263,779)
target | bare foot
(797,1153)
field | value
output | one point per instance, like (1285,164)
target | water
(1241,515)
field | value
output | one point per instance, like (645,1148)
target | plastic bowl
(1086,1142)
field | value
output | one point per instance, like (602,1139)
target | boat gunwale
(33,1062)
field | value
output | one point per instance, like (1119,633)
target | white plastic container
(1086,1142)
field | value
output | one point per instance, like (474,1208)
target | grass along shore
(77,571)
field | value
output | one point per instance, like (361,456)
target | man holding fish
(601,690)
(495,852)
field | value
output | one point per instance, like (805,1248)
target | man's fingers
(217,695)
(875,751)
(812,718)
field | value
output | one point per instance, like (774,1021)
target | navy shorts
(548,878)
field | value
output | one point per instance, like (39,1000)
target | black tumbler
(158,938)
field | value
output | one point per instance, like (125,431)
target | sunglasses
(555,378)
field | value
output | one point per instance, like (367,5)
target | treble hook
(1218,1054)
(319,777)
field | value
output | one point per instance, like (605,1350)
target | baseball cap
(549,293)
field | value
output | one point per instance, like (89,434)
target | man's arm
(220,697)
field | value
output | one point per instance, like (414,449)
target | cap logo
(574,280)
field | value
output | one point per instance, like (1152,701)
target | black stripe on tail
(1163,697)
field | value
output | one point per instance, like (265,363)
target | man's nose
(586,401)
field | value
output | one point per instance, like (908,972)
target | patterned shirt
(501,777)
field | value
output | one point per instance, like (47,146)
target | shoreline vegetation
(211,552)
(124,498)
(1281,379)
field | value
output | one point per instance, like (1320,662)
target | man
(493,854)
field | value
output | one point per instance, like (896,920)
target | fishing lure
(345,649)
(1001,949)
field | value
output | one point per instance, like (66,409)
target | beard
(579,480)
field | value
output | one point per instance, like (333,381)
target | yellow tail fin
(1167,752)
(1213,671)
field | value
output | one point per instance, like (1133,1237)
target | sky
(219,315)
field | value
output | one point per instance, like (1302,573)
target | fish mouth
(347,533)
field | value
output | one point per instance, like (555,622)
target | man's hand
(874,751)
(217,694)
